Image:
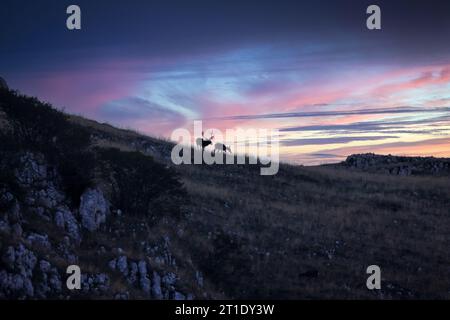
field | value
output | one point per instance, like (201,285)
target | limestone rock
(122,265)
(95,283)
(144,281)
(156,286)
(178,296)
(15,280)
(39,240)
(94,209)
(66,220)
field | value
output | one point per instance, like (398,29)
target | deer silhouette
(222,147)
(202,142)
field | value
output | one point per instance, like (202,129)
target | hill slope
(76,191)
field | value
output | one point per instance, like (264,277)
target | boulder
(66,220)
(49,280)
(132,275)
(39,240)
(122,265)
(96,284)
(178,296)
(144,281)
(156,286)
(15,280)
(94,209)
(19,260)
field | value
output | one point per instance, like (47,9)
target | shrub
(38,127)
(8,163)
(141,186)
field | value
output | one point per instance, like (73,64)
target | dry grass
(333,221)
(106,144)
(103,127)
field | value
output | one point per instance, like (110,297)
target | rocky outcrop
(38,240)
(25,272)
(156,286)
(144,281)
(49,280)
(139,274)
(66,220)
(94,209)
(16,279)
(96,284)
(41,185)
(396,165)
(54,214)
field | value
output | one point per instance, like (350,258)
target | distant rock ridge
(3,83)
(398,165)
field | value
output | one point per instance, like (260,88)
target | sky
(310,69)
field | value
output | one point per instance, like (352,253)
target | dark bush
(227,264)
(34,123)
(8,164)
(141,186)
(38,127)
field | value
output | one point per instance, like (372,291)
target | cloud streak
(397,110)
(332,140)
(141,114)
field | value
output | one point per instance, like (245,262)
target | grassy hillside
(307,232)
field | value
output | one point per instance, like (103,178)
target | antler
(212,135)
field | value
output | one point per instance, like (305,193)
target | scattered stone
(122,265)
(199,278)
(179,296)
(15,280)
(96,284)
(144,281)
(132,274)
(156,286)
(122,296)
(49,280)
(169,279)
(39,240)
(66,220)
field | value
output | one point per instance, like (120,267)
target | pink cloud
(426,78)
(81,91)
(439,147)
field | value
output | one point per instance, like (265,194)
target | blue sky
(309,69)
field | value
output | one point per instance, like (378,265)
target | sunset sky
(310,69)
